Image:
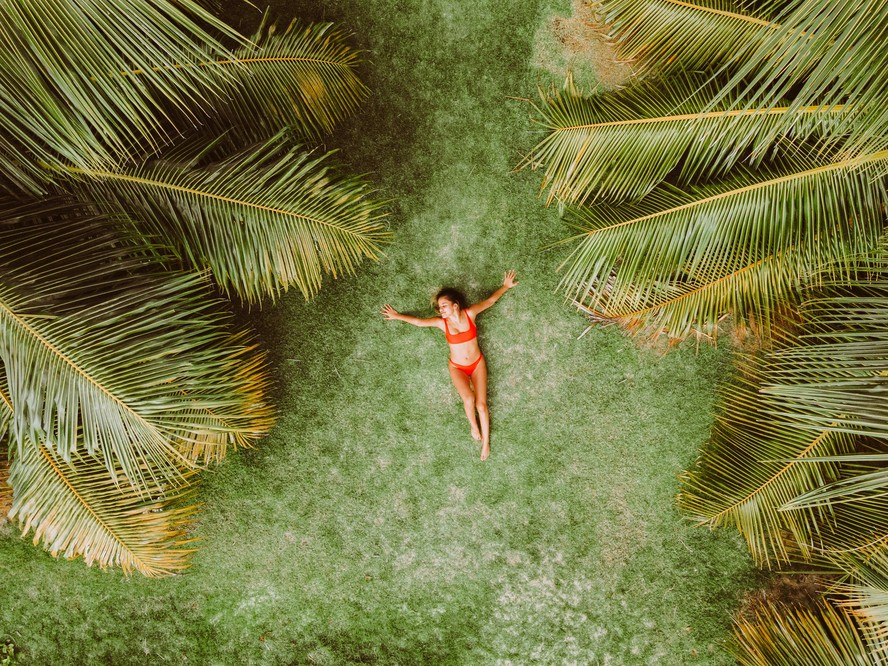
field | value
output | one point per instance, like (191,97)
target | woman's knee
(469,402)
(481,405)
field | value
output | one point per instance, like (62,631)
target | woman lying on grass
(468,369)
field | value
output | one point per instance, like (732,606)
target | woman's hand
(509,280)
(388,312)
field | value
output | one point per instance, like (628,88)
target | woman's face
(447,307)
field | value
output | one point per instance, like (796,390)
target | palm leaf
(864,593)
(67,81)
(745,473)
(621,144)
(304,78)
(827,53)
(869,482)
(103,353)
(75,509)
(837,372)
(754,293)
(654,33)
(239,427)
(771,478)
(833,377)
(262,221)
(780,635)
(677,258)
(5,488)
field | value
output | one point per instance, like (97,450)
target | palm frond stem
(771,479)
(113,175)
(773,111)
(696,290)
(834,166)
(722,12)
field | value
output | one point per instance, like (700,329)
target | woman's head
(449,296)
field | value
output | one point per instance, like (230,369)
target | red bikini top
(464,336)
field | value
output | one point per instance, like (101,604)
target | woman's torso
(464,350)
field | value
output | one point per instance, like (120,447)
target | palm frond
(827,53)
(620,145)
(822,483)
(305,79)
(67,86)
(680,259)
(75,509)
(746,472)
(837,371)
(262,221)
(104,353)
(780,635)
(654,33)
(863,592)
(833,376)
(239,427)
(754,293)
(870,481)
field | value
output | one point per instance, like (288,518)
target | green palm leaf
(620,145)
(869,482)
(864,593)
(67,83)
(833,377)
(827,53)
(104,354)
(763,473)
(262,221)
(838,371)
(677,259)
(75,509)
(304,78)
(746,472)
(654,33)
(780,635)
(5,406)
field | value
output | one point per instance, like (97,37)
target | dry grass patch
(577,45)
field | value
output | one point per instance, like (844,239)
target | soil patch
(578,45)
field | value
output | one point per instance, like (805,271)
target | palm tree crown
(744,174)
(144,177)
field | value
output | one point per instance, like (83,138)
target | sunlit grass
(365,529)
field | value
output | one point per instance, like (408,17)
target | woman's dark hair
(452,295)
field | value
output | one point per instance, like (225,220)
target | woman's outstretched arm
(388,312)
(509,281)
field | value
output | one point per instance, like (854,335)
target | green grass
(365,529)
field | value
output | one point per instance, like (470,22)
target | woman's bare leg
(479,379)
(464,388)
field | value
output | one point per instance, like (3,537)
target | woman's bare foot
(476,433)
(485,450)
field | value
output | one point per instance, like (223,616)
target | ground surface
(365,530)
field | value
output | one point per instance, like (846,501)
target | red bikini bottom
(468,369)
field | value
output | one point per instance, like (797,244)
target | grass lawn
(365,529)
